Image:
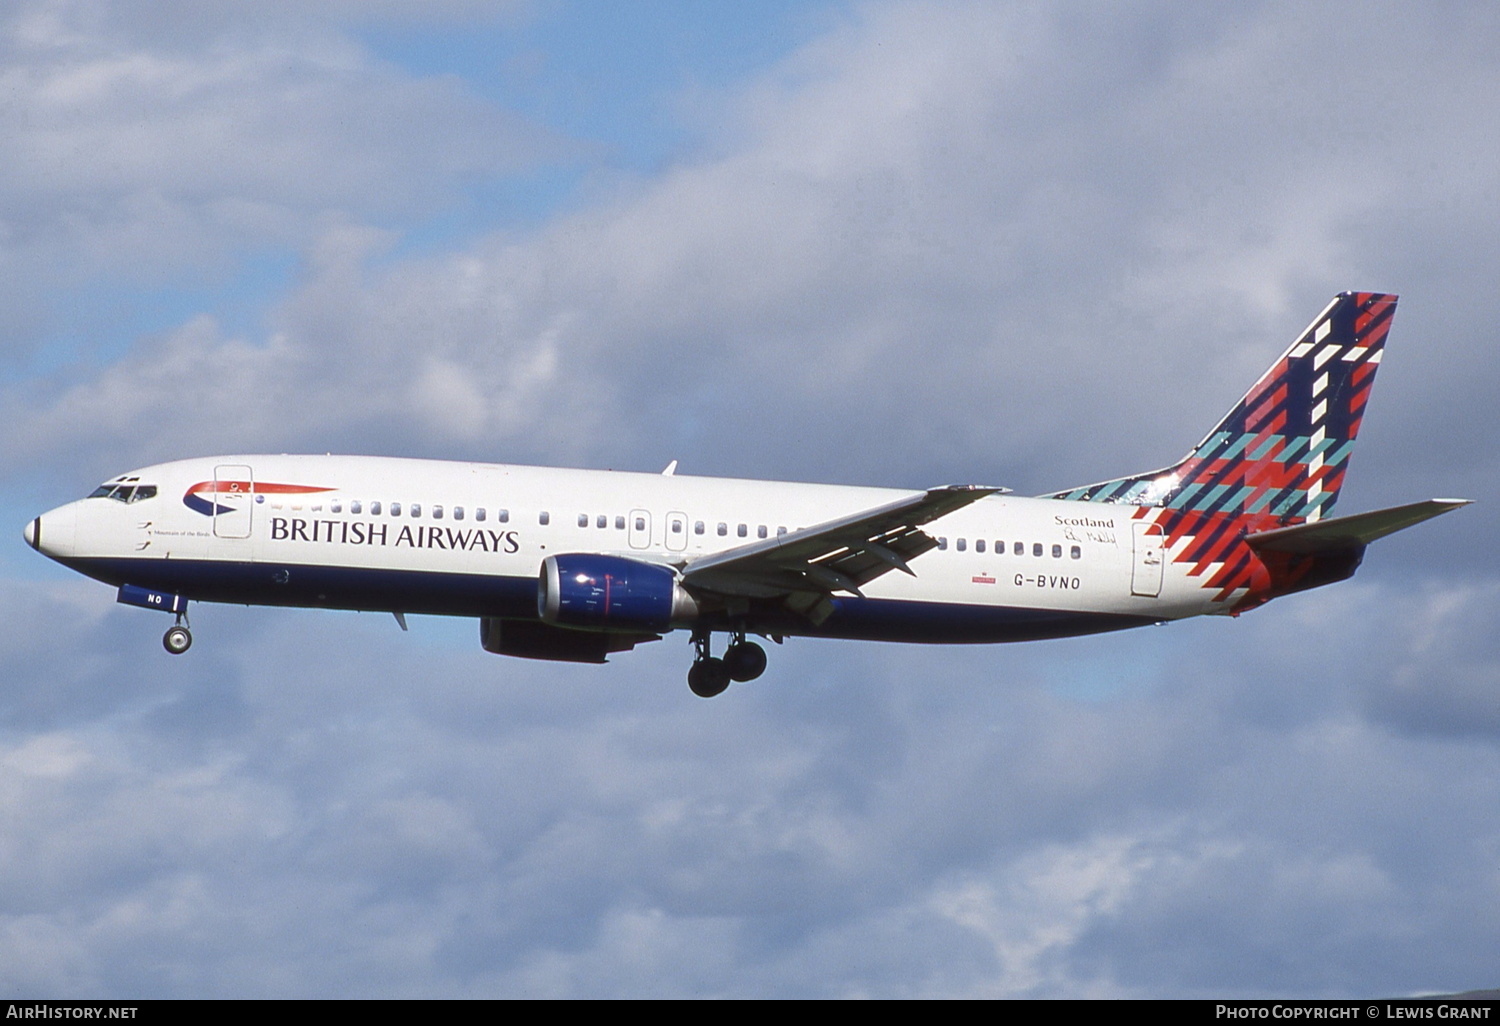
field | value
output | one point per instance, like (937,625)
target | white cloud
(1046,904)
(134,162)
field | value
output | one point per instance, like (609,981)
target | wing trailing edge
(805,568)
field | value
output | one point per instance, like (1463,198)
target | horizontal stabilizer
(1346,532)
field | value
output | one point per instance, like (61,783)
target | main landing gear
(743,661)
(178,638)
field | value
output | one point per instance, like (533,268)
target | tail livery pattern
(1277,458)
(1282,451)
(1213,548)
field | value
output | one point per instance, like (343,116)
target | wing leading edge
(805,568)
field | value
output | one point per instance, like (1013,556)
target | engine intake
(611,593)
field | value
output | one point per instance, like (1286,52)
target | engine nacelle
(611,593)
(531,639)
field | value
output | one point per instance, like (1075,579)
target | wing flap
(867,560)
(839,555)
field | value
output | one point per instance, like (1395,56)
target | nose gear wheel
(178,638)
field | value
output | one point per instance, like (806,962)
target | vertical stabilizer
(1283,450)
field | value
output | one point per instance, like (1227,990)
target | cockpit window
(126,493)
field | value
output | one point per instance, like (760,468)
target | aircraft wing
(1344,532)
(808,565)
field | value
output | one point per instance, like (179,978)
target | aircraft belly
(957,623)
(373,589)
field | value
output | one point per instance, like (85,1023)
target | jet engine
(611,593)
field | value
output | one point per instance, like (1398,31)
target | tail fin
(1282,451)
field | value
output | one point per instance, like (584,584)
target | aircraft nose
(52,533)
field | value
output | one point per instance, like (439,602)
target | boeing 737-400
(578,564)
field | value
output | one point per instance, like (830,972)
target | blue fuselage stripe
(452,594)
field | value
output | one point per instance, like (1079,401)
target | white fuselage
(408,535)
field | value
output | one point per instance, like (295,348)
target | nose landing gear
(178,638)
(743,661)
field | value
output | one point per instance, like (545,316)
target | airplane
(576,565)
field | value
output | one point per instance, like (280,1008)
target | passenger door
(233,500)
(1145,574)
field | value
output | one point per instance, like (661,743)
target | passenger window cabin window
(1036,548)
(619,523)
(375,508)
(942,544)
(395,509)
(437,513)
(583,520)
(640,523)
(336,506)
(601,521)
(480,513)
(504,516)
(1019,548)
(677,526)
(963,544)
(458,512)
(979,545)
(723,529)
(1057,552)
(1076,553)
(743,530)
(416,509)
(355,507)
(780,531)
(544,518)
(760,532)
(698,527)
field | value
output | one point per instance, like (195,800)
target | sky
(901,244)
